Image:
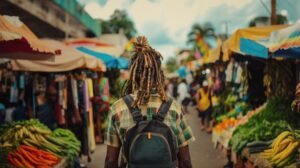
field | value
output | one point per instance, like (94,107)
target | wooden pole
(273,12)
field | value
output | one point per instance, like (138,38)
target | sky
(166,23)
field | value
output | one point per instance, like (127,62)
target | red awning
(17,41)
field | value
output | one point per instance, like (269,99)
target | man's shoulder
(118,105)
(155,102)
(175,106)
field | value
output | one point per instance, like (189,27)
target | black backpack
(150,144)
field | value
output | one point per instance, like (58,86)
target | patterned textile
(120,120)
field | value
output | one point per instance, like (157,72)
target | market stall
(265,135)
(60,93)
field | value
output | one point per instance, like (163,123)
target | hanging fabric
(91,130)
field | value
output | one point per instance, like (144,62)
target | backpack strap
(163,110)
(135,112)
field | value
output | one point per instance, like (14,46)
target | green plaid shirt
(120,119)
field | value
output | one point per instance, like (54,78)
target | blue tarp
(109,60)
(253,48)
(289,53)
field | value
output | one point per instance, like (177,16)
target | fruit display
(17,132)
(225,124)
(275,118)
(32,133)
(283,149)
(30,157)
(231,99)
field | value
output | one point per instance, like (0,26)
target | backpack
(152,143)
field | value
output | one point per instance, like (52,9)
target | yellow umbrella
(232,44)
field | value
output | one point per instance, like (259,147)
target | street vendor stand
(279,42)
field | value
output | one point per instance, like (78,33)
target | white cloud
(104,12)
(172,17)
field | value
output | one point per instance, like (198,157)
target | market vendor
(204,106)
(47,104)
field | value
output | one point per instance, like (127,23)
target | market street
(202,152)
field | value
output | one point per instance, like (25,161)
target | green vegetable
(267,124)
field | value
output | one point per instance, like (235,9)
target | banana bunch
(17,132)
(283,150)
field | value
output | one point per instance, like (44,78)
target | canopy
(118,40)
(109,60)
(254,48)
(253,33)
(86,42)
(17,41)
(281,43)
(285,38)
(112,44)
(70,59)
(214,54)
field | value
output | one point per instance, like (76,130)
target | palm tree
(119,20)
(205,31)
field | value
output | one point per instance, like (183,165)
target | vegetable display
(60,142)
(240,108)
(266,125)
(30,157)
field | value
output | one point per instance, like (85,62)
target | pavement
(203,154)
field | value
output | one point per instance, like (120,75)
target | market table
(255,160)
(222,137)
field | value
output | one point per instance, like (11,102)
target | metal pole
(273,12)
(66,22)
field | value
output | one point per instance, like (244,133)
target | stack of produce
(231,99)
(240,108)
(14,133)
(60,142)
(250,113)
(227,123)
(266,125)
(30,157)
(283,149)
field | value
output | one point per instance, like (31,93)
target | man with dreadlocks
(148,125)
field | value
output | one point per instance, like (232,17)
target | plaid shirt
(120,119)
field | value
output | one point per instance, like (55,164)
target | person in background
(21,111)
(204,106)
(47,107)
(101,103)
(183,94)
(9,111)
(145,92)
(2,113)
(170,88)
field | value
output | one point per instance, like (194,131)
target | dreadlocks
(145,73)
